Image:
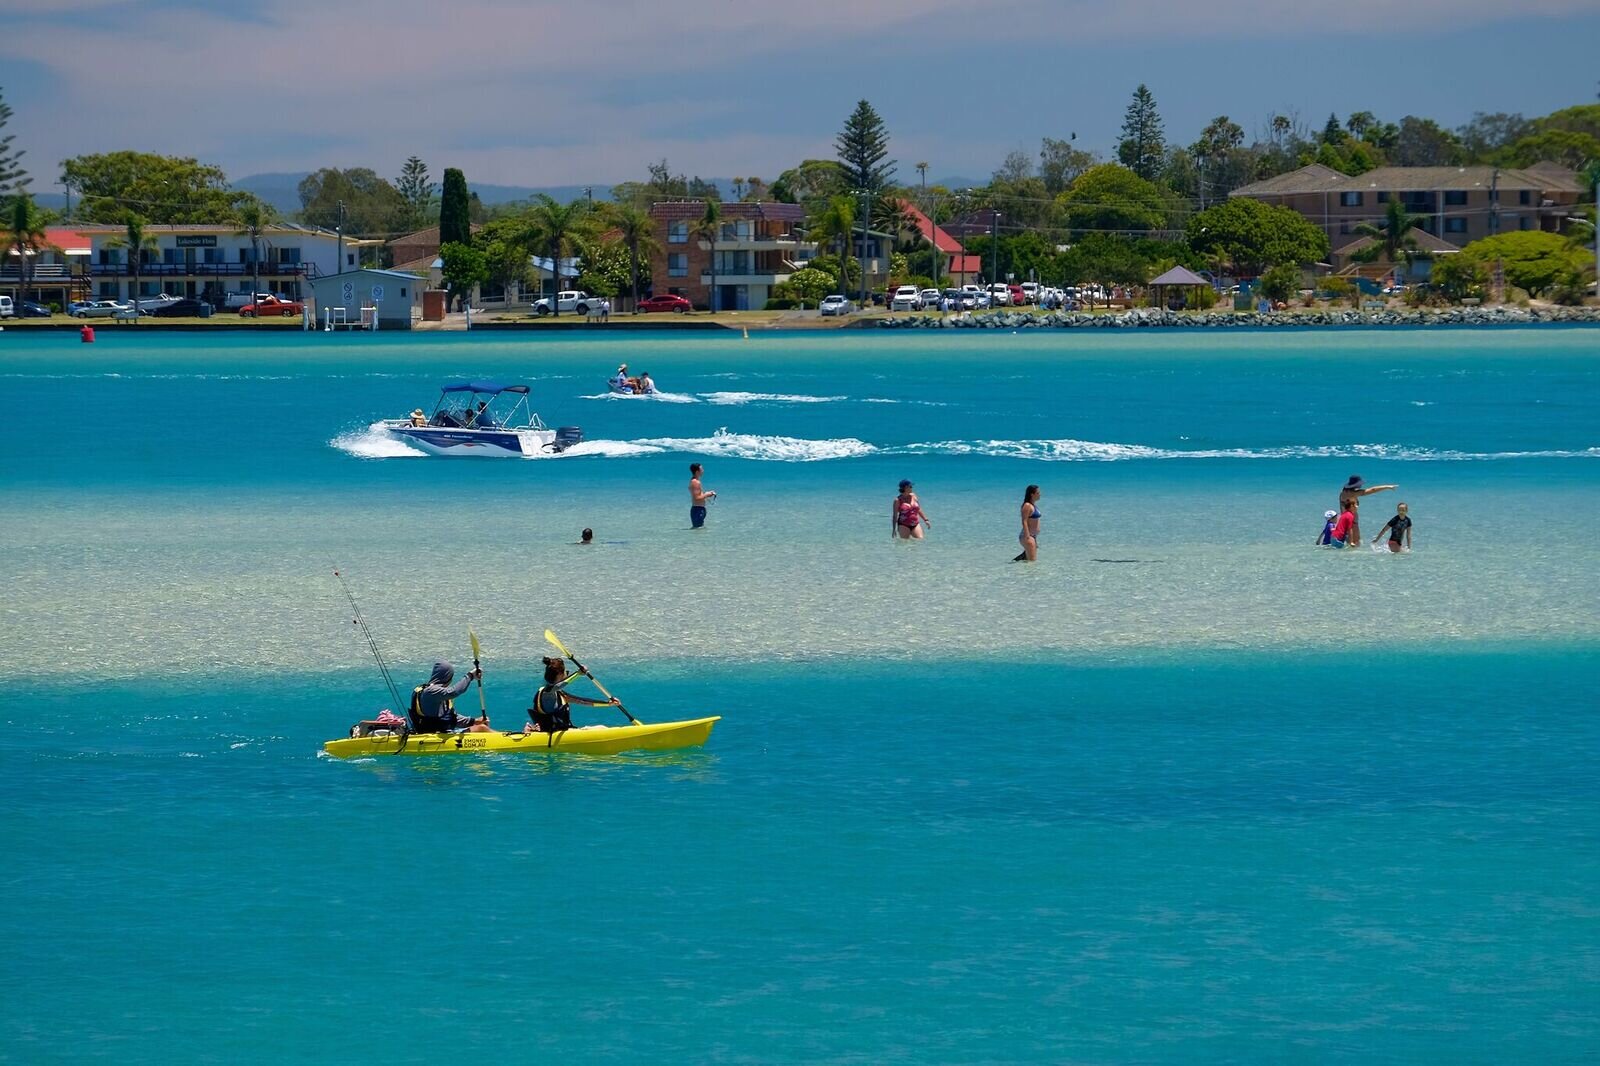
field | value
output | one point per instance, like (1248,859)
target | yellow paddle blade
(476,650)
(550,635)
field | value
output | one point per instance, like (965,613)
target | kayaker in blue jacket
(433,705)
(549,712)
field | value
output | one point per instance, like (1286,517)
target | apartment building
(757,247)
(208,261)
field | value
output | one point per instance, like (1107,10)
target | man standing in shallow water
(698,495)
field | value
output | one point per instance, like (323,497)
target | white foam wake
(763,447)
(657,397)
(740,398)
(374,442)
(1068,450)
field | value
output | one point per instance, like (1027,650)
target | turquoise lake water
(1188,789)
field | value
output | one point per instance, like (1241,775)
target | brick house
(757,247)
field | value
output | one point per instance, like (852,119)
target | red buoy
(86,334)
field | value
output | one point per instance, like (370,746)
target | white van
(7,308)
(1000,294)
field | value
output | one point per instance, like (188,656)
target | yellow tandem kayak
(594,740)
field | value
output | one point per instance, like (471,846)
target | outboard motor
(566,437)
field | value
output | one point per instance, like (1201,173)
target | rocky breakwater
(1150,317)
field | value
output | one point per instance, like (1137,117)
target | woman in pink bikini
(907,519)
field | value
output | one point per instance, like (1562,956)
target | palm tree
(637,230)
(837,221)
(253,217)
(137,241)
(1392,241)
(556,228)
(24,234)
(706,229)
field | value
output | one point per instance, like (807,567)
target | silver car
(834,305)
(102,309)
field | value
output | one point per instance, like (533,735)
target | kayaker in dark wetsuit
(549,711)
(433,705)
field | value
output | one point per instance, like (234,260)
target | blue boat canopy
(487,387)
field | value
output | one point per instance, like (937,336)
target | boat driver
(433,705)
(481,418)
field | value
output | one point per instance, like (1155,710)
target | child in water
(1399,529)
(1340,533)
(1328,518)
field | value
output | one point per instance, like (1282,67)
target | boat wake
(734,399)
(657,397)
(375,442)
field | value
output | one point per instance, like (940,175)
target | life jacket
(550,721)
(417,717)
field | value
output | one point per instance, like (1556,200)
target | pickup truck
(571,301)
(269,306)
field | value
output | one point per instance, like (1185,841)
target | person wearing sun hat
(1350,500)
(1328,519)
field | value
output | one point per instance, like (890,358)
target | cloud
(564,92)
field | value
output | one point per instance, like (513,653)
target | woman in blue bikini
(1029,537)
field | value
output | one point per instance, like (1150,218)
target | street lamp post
(339,230)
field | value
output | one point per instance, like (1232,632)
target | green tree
(137,242)
(13,178)
(1392,240)
(455,218)
(1281,282)
(1459,277)
(1487,135)
(555,230)
(355,201)
(1250,236)
(1422,142)
(636,229)
(1570,148)
(24,235)
(708,229)
(1213,153)
(418,192)
(1360,123)
(607,268)
(166,190)
(1112,198)
(1533,261)
(505,254)
(1143,145)
(1060,164)
(836,221)
(811,183)
(252,217)
(1332,132)
(463,268)
(807,285)
(863,147)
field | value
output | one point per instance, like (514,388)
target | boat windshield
(484,405)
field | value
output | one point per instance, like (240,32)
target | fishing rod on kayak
(584,670)
(361,623)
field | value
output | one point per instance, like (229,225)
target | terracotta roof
(930,230)
(731,212)
(69,241)
(966,264)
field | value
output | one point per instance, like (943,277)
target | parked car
(7,309)
(189,307)
(906,298)
(101,309)
(1000,294)
(233,301)
(1019,296)
(834,305)
(573,301)
(666,302)
(272,307)
(29,309)
(1031,290)
(930,299)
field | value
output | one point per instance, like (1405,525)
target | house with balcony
(211,260)
(50,271)
(1458,205)
(758,246)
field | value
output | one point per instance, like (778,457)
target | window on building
(349,259)
(1525,223)
(677,264)
(1455,225)
(110,290)
(1524,196)
(1383,197)
(211,255)
(288,255)
(110,256)
(1350,199)
(678,232)
(1344,226)
(402,292)
(169,256)
(1455,197)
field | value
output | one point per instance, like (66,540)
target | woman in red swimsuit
(906,517)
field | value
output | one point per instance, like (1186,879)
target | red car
(1019,296)
(666,302)
(272,306)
